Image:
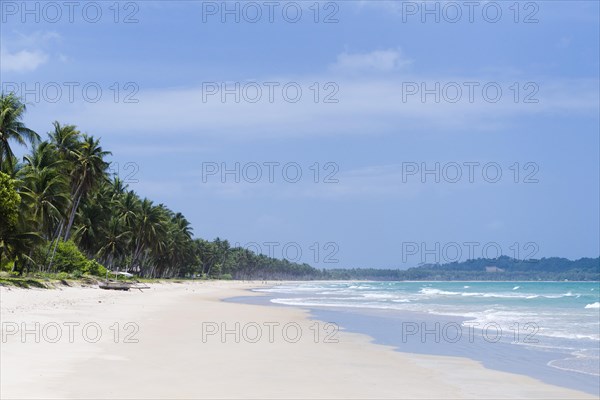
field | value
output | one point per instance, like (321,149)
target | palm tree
(66,139)
(117,187)
(178,250)
(18,245)
(12,128)
(115,239)
(89,170)
(46,188)
(92,218)
(128,207)
(20,239)
(148,230)
(11,166)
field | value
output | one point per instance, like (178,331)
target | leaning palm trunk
(137,251)
(56,235)
(72,217)
(55,246)
(110,260)
(76,195)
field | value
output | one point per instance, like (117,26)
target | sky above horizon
(342,134)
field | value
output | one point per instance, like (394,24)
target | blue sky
(373,66)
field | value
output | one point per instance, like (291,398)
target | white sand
(171,360)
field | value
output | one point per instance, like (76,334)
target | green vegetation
(62,212)
(9,210)
(24,283)
(63,215)
(545,269)
(68,259)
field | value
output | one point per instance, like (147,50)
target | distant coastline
(544,270)
(503,268)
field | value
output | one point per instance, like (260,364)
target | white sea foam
(433,292)
(499,295)
(379,296)
(576,365)
(556,313)
(566,335)
(320,303)
(289,289)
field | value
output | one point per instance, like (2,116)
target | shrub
(95,268)
(7,266)
(9,204)
(62,276)
(69,259)
(226,277)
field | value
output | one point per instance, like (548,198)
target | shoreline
(179,355)
(384,326)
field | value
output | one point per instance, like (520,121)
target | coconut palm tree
(92,218)
(178,250)
(66,139)
(18,238)
(46,188)
(64,189)
(89,170)
(115,239)
(148,230)
(12,128)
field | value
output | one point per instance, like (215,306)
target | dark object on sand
(110,285)
(120,285)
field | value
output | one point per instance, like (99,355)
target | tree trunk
(55,246)
(56,235)
(72,217)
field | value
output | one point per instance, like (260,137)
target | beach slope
(180,340)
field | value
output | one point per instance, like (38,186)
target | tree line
(62,211)
(510,269)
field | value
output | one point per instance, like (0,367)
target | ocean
(548,330)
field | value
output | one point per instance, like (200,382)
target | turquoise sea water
(561,317)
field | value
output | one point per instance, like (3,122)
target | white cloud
(374,181)
(30,57)
(22,61)
(366,106)
(144,150)
(379,60)
(36,38)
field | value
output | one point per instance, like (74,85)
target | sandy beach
(179,340)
